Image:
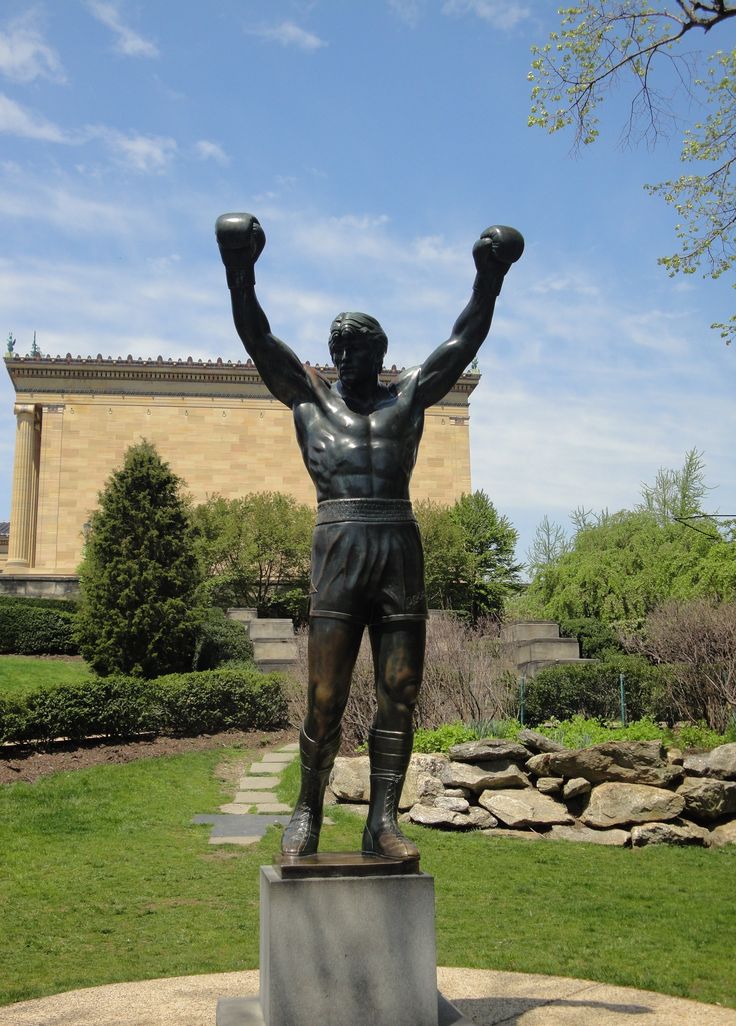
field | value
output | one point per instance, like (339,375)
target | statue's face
(357,359)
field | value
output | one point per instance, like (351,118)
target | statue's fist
(241,240)
(498,244)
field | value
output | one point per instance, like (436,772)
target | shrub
(597,639)
(67,605)
(220,640)
(36,627)
(441,739)
(592,690)
(191,703)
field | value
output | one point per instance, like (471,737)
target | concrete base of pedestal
(345,951)
(247,1012)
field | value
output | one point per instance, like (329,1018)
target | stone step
(530,630)
(256,782)
(266,629)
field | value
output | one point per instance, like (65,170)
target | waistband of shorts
(366,511)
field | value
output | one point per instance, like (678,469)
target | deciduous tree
(665,51)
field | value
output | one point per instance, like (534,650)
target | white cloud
(499,13)
(128,42)
(290,34)
(17,120)
(208,150)
(147,154)
(74,214)
(408,11)
(25,56)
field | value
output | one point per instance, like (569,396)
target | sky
(374,140)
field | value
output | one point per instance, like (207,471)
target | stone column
(25,491)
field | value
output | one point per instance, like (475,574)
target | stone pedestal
(345,951)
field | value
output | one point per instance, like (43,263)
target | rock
(481,818)
(538,742)
(615,804)
(456,792)
(631,762)
(668,833)
(523,835)
(708,799)
(350,779)
(428,788)
(442,818)
(723,834)
(488,750)
(501,774)
(550,785)
(675,756)
(695,765)
(452,804)
(524,808)
(614,838)
(575,787)
(721,762)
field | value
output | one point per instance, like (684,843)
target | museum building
(215,423)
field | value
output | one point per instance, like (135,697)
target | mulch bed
(29,762)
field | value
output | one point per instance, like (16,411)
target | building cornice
(69,375)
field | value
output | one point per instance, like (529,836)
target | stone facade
(216,424)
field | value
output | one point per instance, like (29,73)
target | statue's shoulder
(406,380)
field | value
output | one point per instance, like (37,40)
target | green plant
(597,640)
(220,640)
(139,575)
(29,627)
(233,697)
(507,729)
(593,690)
(442,738)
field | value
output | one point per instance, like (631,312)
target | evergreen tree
(139,573)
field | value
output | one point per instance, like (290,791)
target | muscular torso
(354,452)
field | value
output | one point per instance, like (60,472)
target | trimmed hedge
(184,704)
(220,640)
(37,627)
(592,690)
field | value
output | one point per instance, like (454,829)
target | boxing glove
(241,240)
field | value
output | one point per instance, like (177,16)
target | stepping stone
(268,767)
(281,757)
(239,825)
(271,806)
(253,783)
(293,747)
(251,797)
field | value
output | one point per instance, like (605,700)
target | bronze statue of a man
(359,440)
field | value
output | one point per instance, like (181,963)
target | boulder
(538,742)
(350,779)
(721,762)
(613,838)
(489,750)
(524,808)
(695,765)
(614,804)
(550,785)
(708,799)
(668,833)
(523,835)
(575,788)
(428,788)
(723,834)
(452,804)
(481,818)
(629,762)
(442,818)
(675,756)
(496,775)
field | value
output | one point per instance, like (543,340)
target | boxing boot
(301,836)
(389,752)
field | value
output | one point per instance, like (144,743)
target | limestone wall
(216,424)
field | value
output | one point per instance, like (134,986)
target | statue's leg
(333,649)
(398,655)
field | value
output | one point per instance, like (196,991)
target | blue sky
(374,140)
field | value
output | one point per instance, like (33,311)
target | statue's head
(358,345)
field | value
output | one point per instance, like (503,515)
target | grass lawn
(21,674)
(105,880)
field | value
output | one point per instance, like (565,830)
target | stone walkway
(255,807)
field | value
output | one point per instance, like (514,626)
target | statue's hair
(358,324)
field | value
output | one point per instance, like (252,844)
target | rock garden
(624,793)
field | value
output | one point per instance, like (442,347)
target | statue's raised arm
(241,240)
(494,253)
